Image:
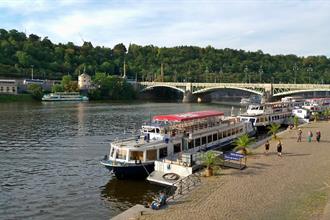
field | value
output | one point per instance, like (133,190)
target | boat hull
(138,171)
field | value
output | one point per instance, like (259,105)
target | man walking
(299,135)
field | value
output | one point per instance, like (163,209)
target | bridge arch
(300,91)
(205,90)
(166,86)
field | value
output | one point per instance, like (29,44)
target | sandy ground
(294,186)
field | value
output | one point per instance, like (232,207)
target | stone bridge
(268,91)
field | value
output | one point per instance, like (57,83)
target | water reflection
(127,193)
(50,152)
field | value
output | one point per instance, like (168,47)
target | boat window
(112,152)
(203,140)
(177,148)
(261,108)
(121,154)
(197,142)
(252,120)
(136,155)
(209,139)
(215,137)
(190,144)
(152,130)
(157,130)
(151,154)
(163,152)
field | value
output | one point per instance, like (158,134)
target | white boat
(317,104)
(253,99)
(261,115)
(64,96)
(302,114)
(169,135)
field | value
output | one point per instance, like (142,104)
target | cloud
(277,27)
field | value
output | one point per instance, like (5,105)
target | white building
(8,86)
(84,81)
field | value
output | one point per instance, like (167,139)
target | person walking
(309,136)
(318,136)
(267,147)
(279,149)
(299,135)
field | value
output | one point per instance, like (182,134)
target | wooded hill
(19,53)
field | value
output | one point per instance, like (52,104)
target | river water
(50,152)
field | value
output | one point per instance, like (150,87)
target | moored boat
(261,115)
(169,135)
(64,96)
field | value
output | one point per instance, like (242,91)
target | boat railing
(182,186)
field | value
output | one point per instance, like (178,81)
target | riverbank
(17,98)
(294,186)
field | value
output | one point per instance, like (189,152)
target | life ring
(171,176)
(185,164)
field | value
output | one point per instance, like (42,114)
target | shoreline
(291,187)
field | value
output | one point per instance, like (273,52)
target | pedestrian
(299,135)
(279,149)
(266,147)
(309,136)
(318,136)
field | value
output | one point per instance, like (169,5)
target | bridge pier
(188,97)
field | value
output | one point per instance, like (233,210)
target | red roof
(187,116)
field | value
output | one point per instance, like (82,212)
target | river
(50,152)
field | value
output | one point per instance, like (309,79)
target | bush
(36,91)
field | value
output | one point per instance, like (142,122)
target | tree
(273,129)
(36,91)
(57,88)
(242,143)
(295,121)
(209,159)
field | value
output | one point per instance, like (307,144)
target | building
(8,86)
(84,81)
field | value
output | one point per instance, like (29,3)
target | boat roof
(187,116)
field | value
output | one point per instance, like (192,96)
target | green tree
(273,129)
(36,91)
(242,143)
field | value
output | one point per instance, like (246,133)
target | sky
(275,27)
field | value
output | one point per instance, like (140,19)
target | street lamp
(246,70)
(295,70)
(260,73)
(31,71)
(309,70)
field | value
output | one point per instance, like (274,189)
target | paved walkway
(294,186)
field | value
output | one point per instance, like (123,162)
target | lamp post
(260,73)
(295,70)
(246,70)
(309,70)
(31,71)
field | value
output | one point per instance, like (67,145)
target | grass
(16,98)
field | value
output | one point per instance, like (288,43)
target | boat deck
(157,178)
